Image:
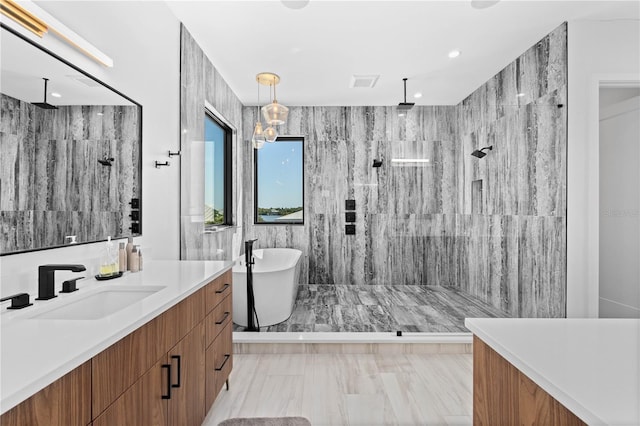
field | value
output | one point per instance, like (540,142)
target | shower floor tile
(408,308)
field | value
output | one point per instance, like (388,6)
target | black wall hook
(159,164)
(173,154)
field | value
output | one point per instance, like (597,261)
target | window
(217,172)
(279,182)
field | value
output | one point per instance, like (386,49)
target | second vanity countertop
(590,366)
(36,352)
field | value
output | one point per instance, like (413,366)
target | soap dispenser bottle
(129,250)
(109,259)
(122,257)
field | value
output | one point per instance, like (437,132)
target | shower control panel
(350,217)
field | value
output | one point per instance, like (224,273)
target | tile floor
(408,308)
(350,389)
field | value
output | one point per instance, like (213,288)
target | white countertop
(36,352)
(590,366)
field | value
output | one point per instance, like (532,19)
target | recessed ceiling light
(454,53)
(100,113)
(401,114)
(56,95)
(483,4)
(295,4)
(417,95)
(520,95)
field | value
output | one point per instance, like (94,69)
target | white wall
(143,38)
(619,295)
(598,51)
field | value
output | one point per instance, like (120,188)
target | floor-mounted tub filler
(275,286)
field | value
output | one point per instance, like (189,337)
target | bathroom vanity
(161,359)
(555,371)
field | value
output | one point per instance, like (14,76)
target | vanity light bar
(39,22)
(23,17)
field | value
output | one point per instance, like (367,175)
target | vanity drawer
(218,319)
(218,289)
(218,364)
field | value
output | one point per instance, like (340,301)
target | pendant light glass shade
(275,113)
(258,137)
(270,134)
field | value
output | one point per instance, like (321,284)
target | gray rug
(266,421)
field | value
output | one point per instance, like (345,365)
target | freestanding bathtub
(275,286)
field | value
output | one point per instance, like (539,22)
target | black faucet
(248,251)
(46,282)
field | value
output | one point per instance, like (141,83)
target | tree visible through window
(217,176)
(279,182)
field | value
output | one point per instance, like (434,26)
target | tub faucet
(46,282)
(248,251)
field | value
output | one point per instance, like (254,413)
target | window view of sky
(213,171)
(280,177)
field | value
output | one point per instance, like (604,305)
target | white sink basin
(100,304)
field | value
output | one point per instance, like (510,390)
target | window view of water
(279,183)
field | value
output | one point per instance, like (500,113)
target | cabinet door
(186,406)
(183,317)
(116,368)
(65,402)
(142,403)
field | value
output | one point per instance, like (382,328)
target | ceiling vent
(84,80)
(363,81)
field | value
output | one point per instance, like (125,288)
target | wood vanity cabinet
(65,402)
(167,372)
(218,324)
(173,389)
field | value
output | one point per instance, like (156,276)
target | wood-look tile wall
(513,254)
(494,227)
(200,82)
(52,185)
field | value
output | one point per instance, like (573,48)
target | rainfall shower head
(45,104)
(405,106)
(479,153)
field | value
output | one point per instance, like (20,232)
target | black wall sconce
(377,163)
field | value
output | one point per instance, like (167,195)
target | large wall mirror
(70,165)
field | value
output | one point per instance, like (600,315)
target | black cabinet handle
(168,367)
(226,286)
(226,358)
(224,318)
(177,385)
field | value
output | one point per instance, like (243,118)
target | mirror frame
(103,84)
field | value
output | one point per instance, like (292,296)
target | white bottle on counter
(139,259)
(122,258)
(134,260)
(129,250)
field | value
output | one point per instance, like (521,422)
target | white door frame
(593,203)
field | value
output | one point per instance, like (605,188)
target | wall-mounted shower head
(479,153)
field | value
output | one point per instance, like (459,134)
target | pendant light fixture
(270,133)
(257,140)
(274,114)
